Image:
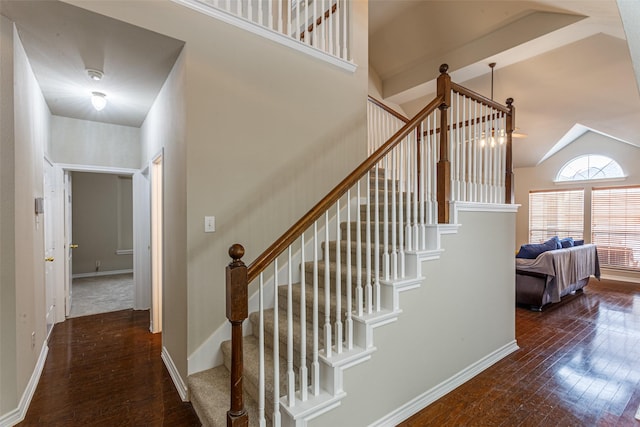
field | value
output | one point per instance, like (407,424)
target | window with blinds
(615,226)
(556,213)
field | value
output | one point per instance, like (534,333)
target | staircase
(337,273)
(209,389)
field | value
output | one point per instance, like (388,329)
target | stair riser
(282,340)
(372,231)
(283,303)
(354,252)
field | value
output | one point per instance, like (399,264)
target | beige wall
(83,142)
(102,211)
(462,312)
(163,131)
(23,280)
(268,132)
(542,176)
(8,386)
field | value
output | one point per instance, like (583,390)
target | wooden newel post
(509,196)
(444,165)
(237,312)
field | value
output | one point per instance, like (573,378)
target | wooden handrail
(272,252)
(388,109)
(479,98)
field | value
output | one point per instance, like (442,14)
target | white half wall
(462,315)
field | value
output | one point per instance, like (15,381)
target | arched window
(591,166)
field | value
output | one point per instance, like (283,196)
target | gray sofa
(554,274)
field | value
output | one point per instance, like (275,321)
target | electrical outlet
(33,340)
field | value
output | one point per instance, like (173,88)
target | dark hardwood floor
(578,365)
(105,370)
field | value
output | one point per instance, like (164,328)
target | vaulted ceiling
(565,63)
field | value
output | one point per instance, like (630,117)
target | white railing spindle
(303,324)
(291,379)
(261,386)
(338,261)
(276,349)
(349,320)
(327,289)
(315,365)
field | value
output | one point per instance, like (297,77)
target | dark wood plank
(106,370)
(578,365)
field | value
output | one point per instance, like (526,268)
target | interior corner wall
(541,177)
(8,386)
(31,136)
(88,143)
(164,132)
(97,221)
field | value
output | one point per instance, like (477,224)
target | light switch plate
(209,224)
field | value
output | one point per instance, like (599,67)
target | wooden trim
(509,185)
(479,98)
(270,254)
(388,109)
(556,190)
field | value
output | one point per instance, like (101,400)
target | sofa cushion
(578,242)
(567,242)
(532,250)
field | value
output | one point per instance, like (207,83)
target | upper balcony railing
(317,27)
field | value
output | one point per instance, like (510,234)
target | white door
(49,244)
(68,242)
(141,241)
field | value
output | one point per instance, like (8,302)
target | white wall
(83,142)
(542,176)
(22,182)
(8,387)
(463,312)
(102,207)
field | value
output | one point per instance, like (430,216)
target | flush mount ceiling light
(98,100)
(95,75)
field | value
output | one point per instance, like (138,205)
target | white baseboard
(617,278)
(174,374)
(15,416)
(101,273)
(420,402)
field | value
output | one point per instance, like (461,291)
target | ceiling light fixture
(98,100)
(501,134)
(94,74)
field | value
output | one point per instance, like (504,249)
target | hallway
(106,370)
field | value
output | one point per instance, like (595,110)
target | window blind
(556,213)
(615,226)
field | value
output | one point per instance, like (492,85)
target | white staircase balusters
(261,381)
(327,289)
(291,382)
(303,324)
(276,350)
(315,365)
(349,318)
(338,261)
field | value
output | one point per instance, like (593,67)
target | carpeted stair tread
(252,370)
(209,395)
